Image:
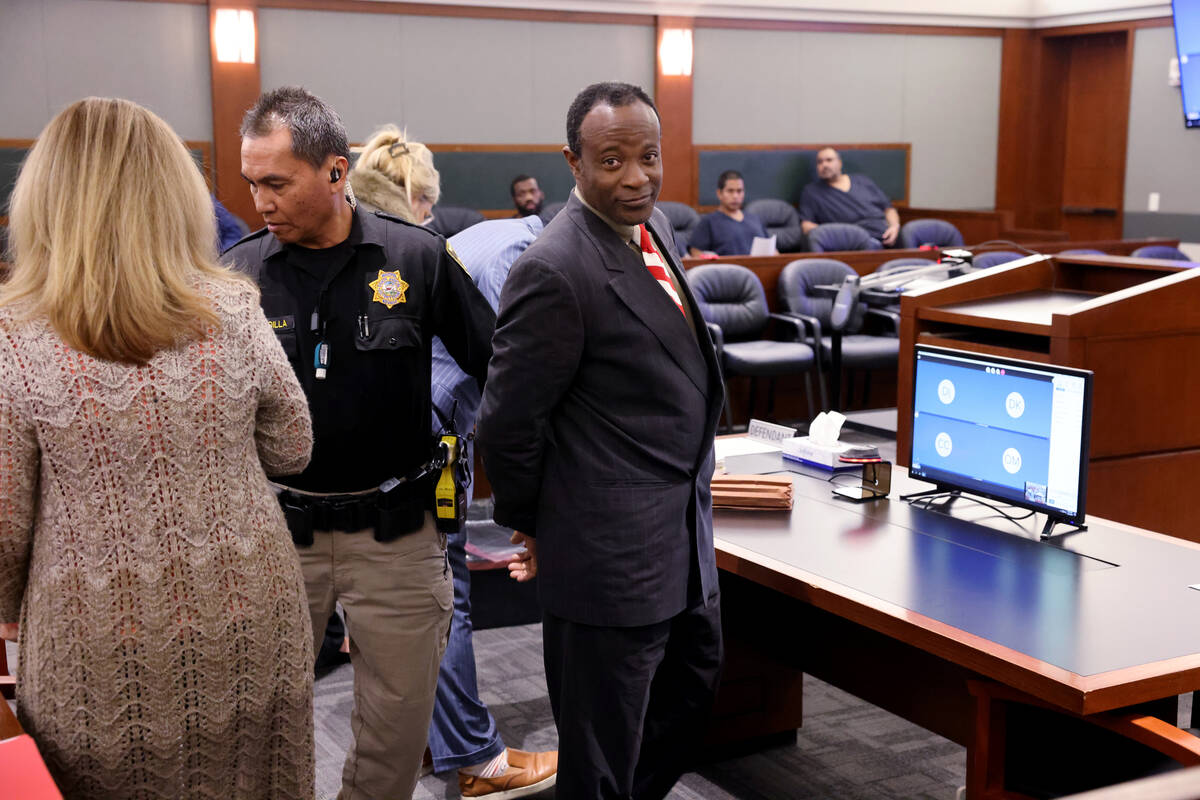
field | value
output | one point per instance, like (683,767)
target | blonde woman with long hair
(396,176)
(163,628)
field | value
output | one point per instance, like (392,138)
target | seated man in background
(838,197)
(728,231)
(526,195)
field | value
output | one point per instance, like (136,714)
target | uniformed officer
(355,299)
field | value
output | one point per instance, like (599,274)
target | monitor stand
(1048,528)
(953,494)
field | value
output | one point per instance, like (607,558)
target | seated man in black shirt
(838,197)
(728,231)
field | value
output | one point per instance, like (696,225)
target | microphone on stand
(845,303)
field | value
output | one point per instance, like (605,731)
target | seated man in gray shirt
(838,197)
(728,231)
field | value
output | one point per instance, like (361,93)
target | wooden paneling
(465,11)
(1097,113)
(1106,27)
(1047,137)
(1014,142)
(1064,113)
(673,97)
(9,727)
(844,27)
(235,87)
(1148,489)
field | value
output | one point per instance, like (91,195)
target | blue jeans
(463,731)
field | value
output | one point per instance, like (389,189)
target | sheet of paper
(763,247)
(742,446)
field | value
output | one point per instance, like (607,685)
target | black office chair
(934,232)
(995,258)
(549,210)
(839,236)
(683,219)
(734,306)
(449,220)
(1160,251)
(861,350)
(782,221)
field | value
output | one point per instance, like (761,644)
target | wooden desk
(9,727)
(901,606)
(1134,323)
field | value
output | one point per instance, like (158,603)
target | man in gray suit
(597,430)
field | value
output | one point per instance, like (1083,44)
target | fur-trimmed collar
(376,189)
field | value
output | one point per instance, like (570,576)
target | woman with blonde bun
(396,176)
(145,568)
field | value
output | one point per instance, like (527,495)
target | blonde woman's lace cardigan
(165,642)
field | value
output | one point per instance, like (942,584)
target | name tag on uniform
(282,324)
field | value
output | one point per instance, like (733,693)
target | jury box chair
(1160,251)
(781,221)
(683,219)
(933,232)
(835,236)
(734,306)
(861,350)
(995,258)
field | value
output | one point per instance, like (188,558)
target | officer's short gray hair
(317,130)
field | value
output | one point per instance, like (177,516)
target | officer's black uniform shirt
(371,412)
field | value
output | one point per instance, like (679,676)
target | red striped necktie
(654,263)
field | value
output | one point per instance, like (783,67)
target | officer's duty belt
(338,512)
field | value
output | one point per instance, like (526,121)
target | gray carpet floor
(847,749)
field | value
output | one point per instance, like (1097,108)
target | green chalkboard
(11,158)
(784,172)
(481,179)
(10,165)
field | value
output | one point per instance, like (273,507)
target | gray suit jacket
(597,425)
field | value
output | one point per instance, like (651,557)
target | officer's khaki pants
(398,599)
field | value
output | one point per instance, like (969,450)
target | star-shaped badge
(389,288)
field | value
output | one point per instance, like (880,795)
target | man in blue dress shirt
(728,231)
(463,734)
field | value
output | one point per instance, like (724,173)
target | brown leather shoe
(527,774)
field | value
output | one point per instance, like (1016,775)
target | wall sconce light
(233,33)
(675,51)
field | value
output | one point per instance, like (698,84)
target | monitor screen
(1187,47)
(1011,430)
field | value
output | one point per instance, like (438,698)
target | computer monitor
(1186,15)
(1011,430)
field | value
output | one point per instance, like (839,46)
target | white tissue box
(824,456)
